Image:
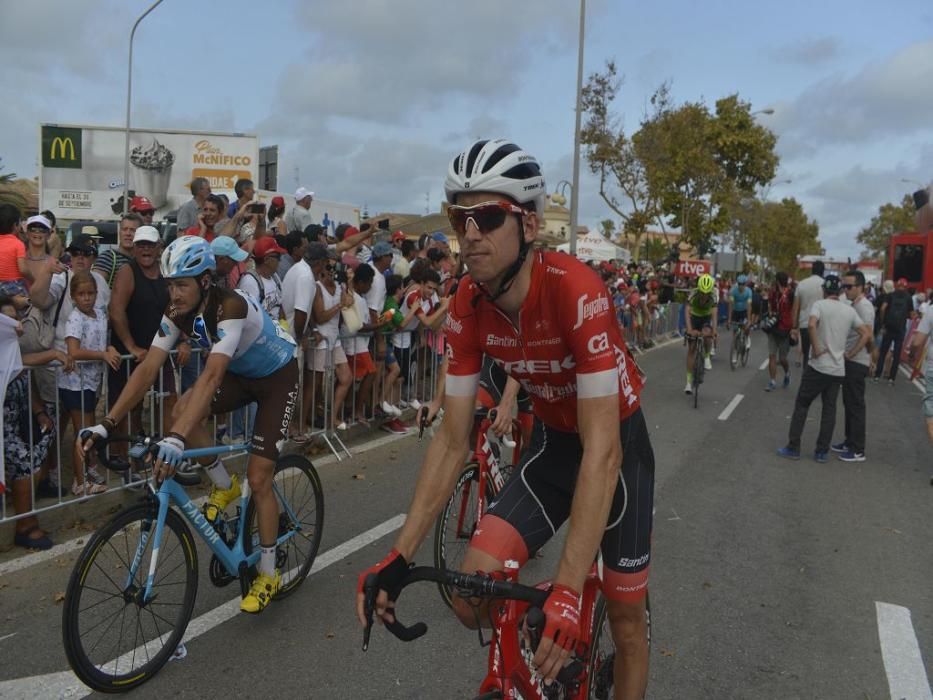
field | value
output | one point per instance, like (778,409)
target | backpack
(899,306)
(262,288)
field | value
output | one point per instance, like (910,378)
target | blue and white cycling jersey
(256,345)
(740,298)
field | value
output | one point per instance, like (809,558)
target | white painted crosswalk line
(764,365)
(901,653)
(727,411)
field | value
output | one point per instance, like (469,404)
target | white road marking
(901,653)
(908,372)
(727,411)
(64,684)
(7,636)
(764,365)
(27,560)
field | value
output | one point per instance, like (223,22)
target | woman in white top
(328,302)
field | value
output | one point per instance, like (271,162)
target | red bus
(911,256)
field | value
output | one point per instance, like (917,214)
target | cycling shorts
(536,501)
(700,322)
(275,395)
(739,316)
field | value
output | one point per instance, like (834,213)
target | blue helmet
(187,256)
(741,279)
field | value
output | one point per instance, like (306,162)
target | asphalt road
(769,579)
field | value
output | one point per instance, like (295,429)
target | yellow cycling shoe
(219,499)
(261,592)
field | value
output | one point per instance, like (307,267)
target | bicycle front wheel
(603,652)
(115,640)
(746,349)
(300,497)
(456,524)
(735,352)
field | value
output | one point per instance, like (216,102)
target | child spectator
(86,339)
(364,369)
(13,268)
(393,379)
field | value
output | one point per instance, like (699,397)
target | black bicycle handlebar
(114,464)
(467,585)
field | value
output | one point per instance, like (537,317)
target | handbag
(351,319)
(45,323)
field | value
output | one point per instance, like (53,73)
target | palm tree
(8,194)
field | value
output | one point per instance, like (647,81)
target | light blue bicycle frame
(171,492)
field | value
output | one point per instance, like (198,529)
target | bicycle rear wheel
(300,496)
(746,349)
(456,524)
(113,641)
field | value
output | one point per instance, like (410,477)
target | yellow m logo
(63,146)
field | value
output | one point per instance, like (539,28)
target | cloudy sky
(369,99)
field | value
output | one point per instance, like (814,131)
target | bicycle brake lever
(422,421)
(370,591)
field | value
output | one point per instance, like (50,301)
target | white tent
(593,246)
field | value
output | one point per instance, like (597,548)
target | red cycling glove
(389,572)
(562,616)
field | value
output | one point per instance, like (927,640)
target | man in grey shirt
(299,216)
(830,323)
(188,213)
(808,292)
(852,448)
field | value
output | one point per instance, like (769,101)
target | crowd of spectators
(366,312)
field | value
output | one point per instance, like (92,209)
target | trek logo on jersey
(496,341)
(598,344)
(587,310)
(537,366)
(453,325)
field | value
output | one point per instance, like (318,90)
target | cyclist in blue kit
(250,358)
(740,298)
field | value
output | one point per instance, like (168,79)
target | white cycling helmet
(497,166)
(187,256)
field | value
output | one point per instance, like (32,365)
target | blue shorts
(85,401)
(390,354)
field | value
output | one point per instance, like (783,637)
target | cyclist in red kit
(547,321)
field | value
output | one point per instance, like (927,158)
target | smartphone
(383,224)
(257,208)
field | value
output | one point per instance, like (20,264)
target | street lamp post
(129,94)
(574,204)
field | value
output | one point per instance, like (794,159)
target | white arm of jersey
(167,336)
(230,332)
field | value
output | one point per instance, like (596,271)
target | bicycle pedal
(218,574)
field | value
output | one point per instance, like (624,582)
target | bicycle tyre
(85,668)
(746,350)
(735,351)
(467,487)
(292,575)
(697,374)
(601,675)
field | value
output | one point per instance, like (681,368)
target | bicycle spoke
(114,619)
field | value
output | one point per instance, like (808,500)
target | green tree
(607,227)
(890,219)
(780,232)
(654,250)
(611,155)
(8,193)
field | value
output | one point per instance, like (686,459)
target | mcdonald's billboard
(61,147)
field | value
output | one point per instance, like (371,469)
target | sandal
(23,539)
(87,488)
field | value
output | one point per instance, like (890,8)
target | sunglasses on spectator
(37,229)
(81,253)
(486,216)
(330,268)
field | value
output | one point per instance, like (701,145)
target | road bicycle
(477,486)
(740,346)
(132,590)
(510,674)
(698,367)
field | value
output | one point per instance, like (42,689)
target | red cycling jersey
(568,343)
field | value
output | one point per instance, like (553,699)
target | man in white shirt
(298,290)
(830,323)
(809,291)
(299,216)
(852,448)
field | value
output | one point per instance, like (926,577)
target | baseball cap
(91,231)
(381,249)
(82,243)
(146,234)
(316,252)
(831,284)
(226,246)
(140,203)
(439,237)
(302,192)
(278,201)
(39,220)
(398,236)
(266,246)
(902,282)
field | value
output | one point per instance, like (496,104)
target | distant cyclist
(701,318)
(740,297)
(251,359)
